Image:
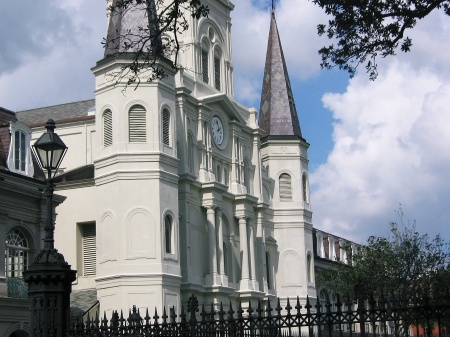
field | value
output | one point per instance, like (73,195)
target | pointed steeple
(277,114)
(126,25)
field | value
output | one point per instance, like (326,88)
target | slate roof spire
(277,114)
(126,25)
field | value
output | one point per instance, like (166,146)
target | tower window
(166,127)
(285,187)
(309,268)
(137,124)
(168,234)
(269,284)
(89,249)
(217,72)
(107,128)
(305,188)
(205,66)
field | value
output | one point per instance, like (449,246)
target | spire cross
(273,5)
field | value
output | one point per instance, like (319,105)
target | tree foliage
(367,29)
(405,267)
(157,39)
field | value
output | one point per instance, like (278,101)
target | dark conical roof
(277,115)
(126,26)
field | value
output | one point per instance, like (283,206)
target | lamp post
(49,278)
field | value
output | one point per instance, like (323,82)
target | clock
(217,130)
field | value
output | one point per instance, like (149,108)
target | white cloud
(391,146)
(55,66)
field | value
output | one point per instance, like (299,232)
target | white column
(256,162)
(220,250)
(331,248)
(260,233)
(251,236)
(211,220)
(319,238)
(245,277)
(220,241)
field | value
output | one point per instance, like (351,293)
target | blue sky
(374,145)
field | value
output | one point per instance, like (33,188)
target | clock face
(217,130)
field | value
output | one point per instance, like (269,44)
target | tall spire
(126,25)
(277,115)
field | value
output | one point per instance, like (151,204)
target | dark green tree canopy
(367,29)
(403,267)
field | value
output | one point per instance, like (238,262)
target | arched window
(107,128)
(205,61)
(137,124)
(268,278)
(219,173)
(305,188)
(168,229)
(20,151)
(16,254)
(217,65)
(309,268)
(225,176)
(166,127)
(285,187)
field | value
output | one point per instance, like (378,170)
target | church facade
(173,188)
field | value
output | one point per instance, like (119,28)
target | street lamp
(50,151)
(49,278)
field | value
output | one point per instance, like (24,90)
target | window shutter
(107,128)
(205,66)
(89,249)
(166,127)
(217,72)
(285,187)
(137,124)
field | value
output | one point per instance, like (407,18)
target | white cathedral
(175,188)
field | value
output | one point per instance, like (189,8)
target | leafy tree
(405,267)
(367,29)
(157,39)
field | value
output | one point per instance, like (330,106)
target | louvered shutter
(137,124)
(205,66)
(88,243)
(166,127)
(285,187)
(107,128)
(217,73)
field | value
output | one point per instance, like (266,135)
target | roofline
(282,137)
(66,120)
(7,110)
(55,105)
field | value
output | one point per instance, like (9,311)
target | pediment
(225,104)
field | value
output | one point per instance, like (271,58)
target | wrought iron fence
(350,319)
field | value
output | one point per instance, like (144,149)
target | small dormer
(19,156)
